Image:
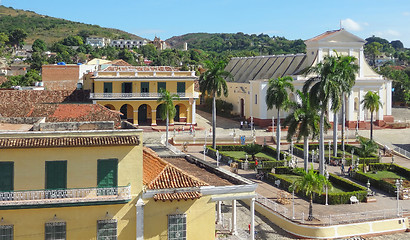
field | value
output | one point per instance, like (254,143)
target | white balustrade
(138,95)
(75,195)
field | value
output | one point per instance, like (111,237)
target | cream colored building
(251,75)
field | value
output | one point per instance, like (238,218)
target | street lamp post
(217,158)
(398,186)
(251,123)
(293,203)
(273,128)
(327,178)
(329,152)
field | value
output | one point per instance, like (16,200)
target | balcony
(138,95)
(64,196)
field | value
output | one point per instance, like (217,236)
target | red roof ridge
(324,35)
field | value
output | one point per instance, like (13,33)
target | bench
(353,199)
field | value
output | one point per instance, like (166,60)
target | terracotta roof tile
(323,35)
(48,142)
(159,174)
(120,62)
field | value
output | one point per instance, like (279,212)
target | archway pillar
(171,121)
(136,117)
(153,117)
(188,115)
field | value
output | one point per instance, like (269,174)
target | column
(330,112)
(388,97)
(154,117)
(140,219)
(233,230)
(350,103)
(135,117)
(219,214)
(361,62)
(193,112)
(252,219)
(361,110)
(188,115)
(319,55)
(380,112)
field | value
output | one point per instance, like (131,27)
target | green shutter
(181,87)
(144,87)
(56,174)
(107,87)
(162,85)
(107,173)
(6,176)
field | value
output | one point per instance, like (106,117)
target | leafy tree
(401,83)
(324,88)
(277,96)
(309,183)
(372,103)
(367,147)
(73,41)
(28,79)
(4,38)
(213,83)
(17,37)
(303,122)
(373,50)
(127,56)
(345,72)
(253,149)
(39,46)
(36,61)
(168,109)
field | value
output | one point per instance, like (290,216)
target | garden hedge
(333,198)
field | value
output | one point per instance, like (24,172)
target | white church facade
(247,92)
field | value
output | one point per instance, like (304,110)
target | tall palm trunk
(335,125)
(278,136)
(343,121)
(310,218)
(371,126)
(305,152)
(166,134)
(321,144)
(214,122)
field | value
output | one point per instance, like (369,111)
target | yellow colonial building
(102,184)
(135,92)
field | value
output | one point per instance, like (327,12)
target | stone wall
(70,126)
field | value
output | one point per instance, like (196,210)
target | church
(247,91)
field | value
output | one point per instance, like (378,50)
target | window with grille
(177,227)
(6,232)
(107,230)
(56,231)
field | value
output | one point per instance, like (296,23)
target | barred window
(107,229)
(56,231)
(6,232)
(177,227)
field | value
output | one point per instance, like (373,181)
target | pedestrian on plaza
(241,124)
(342,169)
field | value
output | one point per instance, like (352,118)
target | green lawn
(384,174)
(335,189)
(241,155)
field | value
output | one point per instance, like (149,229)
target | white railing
(333,219)
(402,151)
(138,95)
(74,195)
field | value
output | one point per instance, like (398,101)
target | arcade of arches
(148,112)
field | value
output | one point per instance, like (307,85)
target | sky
(292,19)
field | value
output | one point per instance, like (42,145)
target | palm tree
(213,83)
(277,96)
(252,149)
(309,183)
(367,147)
(324,88)
(303,122)
(372,103)
(346,74)
(167,110)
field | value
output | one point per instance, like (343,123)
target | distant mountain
(52,29)
(261,44)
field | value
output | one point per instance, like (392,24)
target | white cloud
(393,33)
(406,13)
(351,25)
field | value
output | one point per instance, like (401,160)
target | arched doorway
(142,114)
(242,107)
(109,106)
(176,118)
(159,110)
(181,113)
(128,112)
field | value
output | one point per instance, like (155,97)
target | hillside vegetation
(50,29)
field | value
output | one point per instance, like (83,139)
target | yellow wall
(200,218)
(81,222)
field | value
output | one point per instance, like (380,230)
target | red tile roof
(120,62)
(324,35)
(48,142)
(159,174)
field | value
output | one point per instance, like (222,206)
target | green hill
(261,44)
(52,29)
